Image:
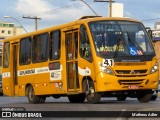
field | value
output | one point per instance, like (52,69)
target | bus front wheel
(144,95)
(32,98)
(89,89)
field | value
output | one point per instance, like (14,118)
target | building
(156,31)
(117,10)
(8,30)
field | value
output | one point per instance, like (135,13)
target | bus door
(14,68)
(71,39)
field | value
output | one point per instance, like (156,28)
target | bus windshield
(120,38)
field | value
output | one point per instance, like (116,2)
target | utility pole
(110,5)
(36,20)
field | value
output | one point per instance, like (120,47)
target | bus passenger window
(85,49)
(40,48)
(25,51)
(54,51)
(6,55)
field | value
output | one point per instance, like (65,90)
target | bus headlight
(106,70)
(154,68)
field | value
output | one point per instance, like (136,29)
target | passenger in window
(29,58)
(119,47)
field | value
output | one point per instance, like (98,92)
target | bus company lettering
(26,72)
(42,70)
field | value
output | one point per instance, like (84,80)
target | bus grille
(131,82)
(131,73)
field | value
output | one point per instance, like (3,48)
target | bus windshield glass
(120,38)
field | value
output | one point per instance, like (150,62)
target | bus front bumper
(106,82)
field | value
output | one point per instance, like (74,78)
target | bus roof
(84,19)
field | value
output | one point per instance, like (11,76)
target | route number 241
(108,62)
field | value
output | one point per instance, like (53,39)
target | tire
(32,98)
(153,98)
(42,99)
(76,98)
(89,89)
(144,96)
(121,98)
(1,94)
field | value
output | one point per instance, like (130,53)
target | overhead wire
(64,8)
(151,19)
(56,10)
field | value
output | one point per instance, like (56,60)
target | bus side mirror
(149,32)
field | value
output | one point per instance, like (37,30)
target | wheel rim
(91,92)
(31,94)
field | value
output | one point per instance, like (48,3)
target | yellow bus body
(39,76)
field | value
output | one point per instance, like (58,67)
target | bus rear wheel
(32,98)
(92,96)
(80,98)
(144,96)
(153,98)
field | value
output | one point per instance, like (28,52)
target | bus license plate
(133,87)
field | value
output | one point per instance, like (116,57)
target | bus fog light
(106,83)
(155,82)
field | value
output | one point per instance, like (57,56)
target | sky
(54,12)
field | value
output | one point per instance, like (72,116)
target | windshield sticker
(139,52)
(133,51)
(108,62)
(111,49)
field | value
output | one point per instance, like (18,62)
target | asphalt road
(62,104)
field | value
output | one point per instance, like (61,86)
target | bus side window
(25,51)
(6,55)
(54,51)
(40,48)
(85,49)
